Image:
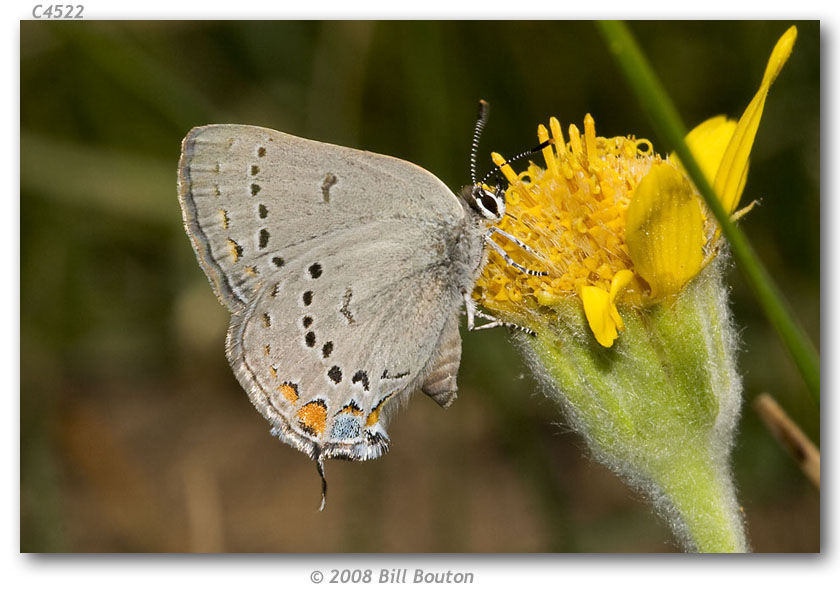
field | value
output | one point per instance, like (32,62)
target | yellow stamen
(506,169)
(742,212)
(557,136)
(589,134)
(574,140)
(547,152)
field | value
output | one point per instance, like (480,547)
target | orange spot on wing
(373,417)
(288,391)
(313,417)
(352,409)
(235,250)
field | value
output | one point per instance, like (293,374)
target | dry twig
(791,437)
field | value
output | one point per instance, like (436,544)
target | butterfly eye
(489,204)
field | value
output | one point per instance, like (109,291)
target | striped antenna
(483,110)
(514,159)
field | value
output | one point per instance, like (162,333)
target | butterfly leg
(469,307)
(494,322)
(515,240)
(490,242)
(472,312)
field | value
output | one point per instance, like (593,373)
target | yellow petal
(596,306)
(708,142)
(731,175)
(665,230)
(619,282)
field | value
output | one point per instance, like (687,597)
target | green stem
(702,500)
(669,125)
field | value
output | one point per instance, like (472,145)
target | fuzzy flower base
(660,407)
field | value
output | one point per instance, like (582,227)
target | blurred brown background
(134,433)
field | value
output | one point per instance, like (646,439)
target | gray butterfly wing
(327,359)
(344,271)
(251,195)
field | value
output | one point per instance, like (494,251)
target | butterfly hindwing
(330,349)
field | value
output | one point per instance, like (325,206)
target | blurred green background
(135,435)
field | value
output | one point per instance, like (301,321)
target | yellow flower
(613,223)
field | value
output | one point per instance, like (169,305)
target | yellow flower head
(613,223)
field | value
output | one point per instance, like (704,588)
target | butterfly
(344,271)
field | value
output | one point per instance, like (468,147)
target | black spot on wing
(335,374)
(362,377)
(345,306)
(329,181)
(386,375)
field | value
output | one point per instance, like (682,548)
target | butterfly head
(488,203)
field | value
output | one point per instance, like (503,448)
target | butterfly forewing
(247,191)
